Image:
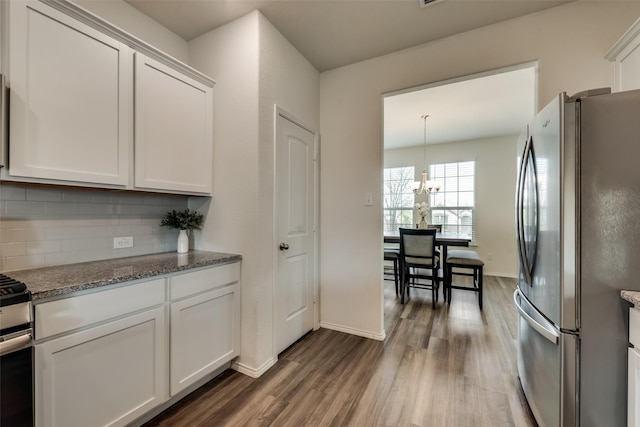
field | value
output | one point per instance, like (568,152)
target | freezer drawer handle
(549,334)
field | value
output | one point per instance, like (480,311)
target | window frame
(440,173)
(409,172)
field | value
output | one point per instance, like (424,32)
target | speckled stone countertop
(632,296)
(49,282)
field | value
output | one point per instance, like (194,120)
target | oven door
(16,380)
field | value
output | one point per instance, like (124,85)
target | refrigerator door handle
(527,252)
(546,331)
(520,209)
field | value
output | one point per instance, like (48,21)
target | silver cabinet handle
(15,344)
(547,332)
(284,246)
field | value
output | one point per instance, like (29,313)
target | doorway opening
(467,145)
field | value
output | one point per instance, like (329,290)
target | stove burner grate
(12,291)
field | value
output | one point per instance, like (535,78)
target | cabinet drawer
(66,314)
(634,326)
(204,280)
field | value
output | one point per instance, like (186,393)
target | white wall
(569,42)
(494,190)
(230,55)
(255,68)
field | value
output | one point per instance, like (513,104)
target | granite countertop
(48,282)
(632,296)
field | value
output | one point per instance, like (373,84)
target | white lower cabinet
(107,375)
(205,326)
(108,357)
(633,398)
(633,373)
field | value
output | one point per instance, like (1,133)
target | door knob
(284,246)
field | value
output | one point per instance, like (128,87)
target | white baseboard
(380,336)
(508,275)
(254,372)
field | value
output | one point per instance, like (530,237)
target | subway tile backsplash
(48,225)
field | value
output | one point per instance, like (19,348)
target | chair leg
(434,284)
(402,286)
(480,280)
(449,279)
(433,294)
(395,274)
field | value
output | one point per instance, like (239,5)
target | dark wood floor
(454,366)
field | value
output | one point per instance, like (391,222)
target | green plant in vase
(184,220)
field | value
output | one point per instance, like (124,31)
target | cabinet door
(103,376)
(173,129)
(633,398)
(70,96)
(205,334)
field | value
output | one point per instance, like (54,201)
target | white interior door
(295,232)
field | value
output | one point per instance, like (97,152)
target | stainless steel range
(16,354)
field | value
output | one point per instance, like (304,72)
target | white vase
(183,242)
(422,224)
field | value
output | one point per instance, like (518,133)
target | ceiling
(334,33)
(479,107)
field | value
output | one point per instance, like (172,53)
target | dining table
(443,240)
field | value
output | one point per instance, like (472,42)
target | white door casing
(295,231)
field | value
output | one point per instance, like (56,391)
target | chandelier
(425,186)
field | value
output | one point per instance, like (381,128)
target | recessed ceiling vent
(425,3)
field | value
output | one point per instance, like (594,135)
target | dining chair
(419,262)
(463,261)
(392,253)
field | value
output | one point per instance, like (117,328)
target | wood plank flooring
(452,366)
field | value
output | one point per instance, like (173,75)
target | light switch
(368,199)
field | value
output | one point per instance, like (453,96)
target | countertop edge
(50,282)
(631,296)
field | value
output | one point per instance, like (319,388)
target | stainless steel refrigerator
(578,228)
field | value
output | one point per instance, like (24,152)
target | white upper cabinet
(173,129)
(70,99)
(87,98)
(626,56)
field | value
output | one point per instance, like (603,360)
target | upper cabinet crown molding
(81,14)
(625,54)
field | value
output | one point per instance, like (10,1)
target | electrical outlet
(489,256)
(122,242)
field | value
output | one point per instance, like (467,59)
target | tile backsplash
(49,225)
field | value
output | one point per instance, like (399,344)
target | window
(453,205)
(398,198)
